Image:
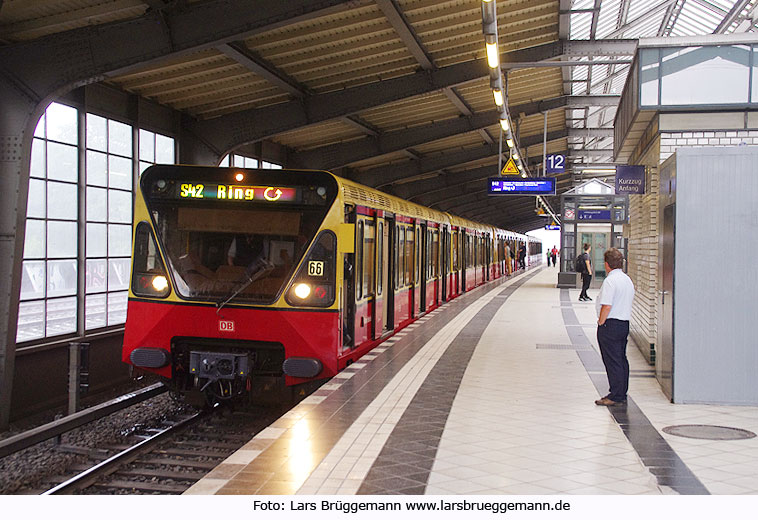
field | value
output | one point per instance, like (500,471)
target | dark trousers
(612,336)
(586,279)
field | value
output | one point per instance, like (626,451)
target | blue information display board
(521,186)
(594,214)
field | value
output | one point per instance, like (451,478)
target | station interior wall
(659,142)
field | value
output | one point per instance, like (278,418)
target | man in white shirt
(614,309)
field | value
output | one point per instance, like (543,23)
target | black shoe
(588,299)
(582,299)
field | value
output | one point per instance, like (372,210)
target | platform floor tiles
(522,420)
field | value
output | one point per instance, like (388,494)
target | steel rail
(108,466)
(75,420)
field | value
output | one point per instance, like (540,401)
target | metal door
(348,291)
(390,267)
(665,356)
(600,243)
(445,261)
(424,241)
(380,300)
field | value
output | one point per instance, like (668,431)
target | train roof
(358,194)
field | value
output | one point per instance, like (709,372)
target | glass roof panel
(643,18)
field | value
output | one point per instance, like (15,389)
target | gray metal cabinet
(708,278)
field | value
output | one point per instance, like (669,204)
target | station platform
(492,393)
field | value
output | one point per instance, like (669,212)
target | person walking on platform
(614,309)
(554,254)
(584,266)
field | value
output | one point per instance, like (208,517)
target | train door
(348,290)
(488,239)
(418,245)
(435,260)
(391,268)
(365,257)
(445,261)
(464,259)
(454,263)
(380,303)
(424,243)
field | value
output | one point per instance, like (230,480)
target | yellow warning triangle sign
(510,168)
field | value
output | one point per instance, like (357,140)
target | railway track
(165,460)
(145,453)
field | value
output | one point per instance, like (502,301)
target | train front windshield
(231,233)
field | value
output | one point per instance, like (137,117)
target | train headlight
(302,290)
(160,283)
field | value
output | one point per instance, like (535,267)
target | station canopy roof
(392,93)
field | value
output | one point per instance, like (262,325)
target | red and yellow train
(244,279)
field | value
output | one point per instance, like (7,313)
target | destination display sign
(594,214)
(230,192)
(521,186)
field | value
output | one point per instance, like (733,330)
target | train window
(455,251)
(409,255)
(369,241)
(417,247)
(380,259)
(396,257)
(401,256)
(359,261)
(435,253)
(149,275)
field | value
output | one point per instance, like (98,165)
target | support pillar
(19,112)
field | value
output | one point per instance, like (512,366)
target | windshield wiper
(257,269)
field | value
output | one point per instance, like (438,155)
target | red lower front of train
(195,349)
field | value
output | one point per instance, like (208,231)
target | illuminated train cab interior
(251,280)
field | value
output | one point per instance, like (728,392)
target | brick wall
(642,262)
(670,141)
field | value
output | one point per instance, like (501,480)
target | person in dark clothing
(245,249)
(586,274)
(522,257)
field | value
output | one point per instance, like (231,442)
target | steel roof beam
(54,64)
(232,130)
(152,4)
(341,154)
(600,100)
(444,182)
(390,174)
(590,132)
(360,124)
(732,16)
(575,63)
(644,17)
(239,52)
(411,40)
(406,33)
(228,131)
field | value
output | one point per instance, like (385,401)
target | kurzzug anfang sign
(630,179)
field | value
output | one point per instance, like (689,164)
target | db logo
(226,326)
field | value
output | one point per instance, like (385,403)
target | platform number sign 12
(555,163)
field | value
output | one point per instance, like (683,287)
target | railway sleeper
(192,476)
(190,453)
(165,461)
(143,486)
(211,444)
